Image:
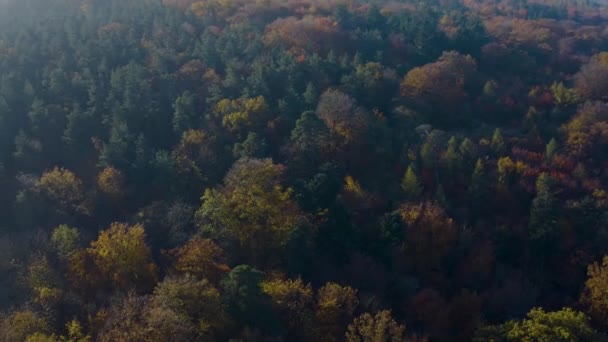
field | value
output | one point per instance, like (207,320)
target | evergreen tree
(498,143)
(428,155)
(468,151)
(440,196)
(479,189)
(551,150)
(452,159)
(311,96)
(410,184)
(542,227)
(253,147)
(184,115)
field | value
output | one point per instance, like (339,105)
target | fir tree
(542,226)
(410,184)
(479,189)
(551,150)
(498,143)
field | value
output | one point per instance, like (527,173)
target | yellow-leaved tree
(252,210)
(123,257)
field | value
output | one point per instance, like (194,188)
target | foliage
(19,325)
(123,257)
(410,184)
(111,183)
(306,170)
(381,327)
(252,208)
(292,300)
(334,310)
(563,325)
(595,291)
(65,240)
(201,258)
(64,188)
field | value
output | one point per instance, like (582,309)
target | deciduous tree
(201,258)
(123,257)
(595,295)
(378,328)
(335,307)
(252,209)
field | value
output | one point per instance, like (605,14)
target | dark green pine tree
(184,113)
(245,300)
(311,96)
(116,151)
(542,227)
(479,190)
(440,197)
(253,147)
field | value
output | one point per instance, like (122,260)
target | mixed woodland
(303,170)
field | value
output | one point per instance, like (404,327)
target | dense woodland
(303,170)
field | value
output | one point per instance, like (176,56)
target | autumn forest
(303,170)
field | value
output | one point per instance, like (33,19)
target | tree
(252,209)
(197,159)
(309,140)
(428,156)
(466,32)
(410,184)
(590,82)
(185,116)
(311,95)
(122,256)
(498,143)
(194,306)
(79,128)
(124,320)
(75,333)
(201,258)
(342,116)
(64,189)
(429,235)
(253,147)
(248,305)
(544,212)
(119,146)
(21,324)
(243,115)
(586,132)
(292,300)
(442,85)
(44,281)
(564,325)
(551,150)
(378,328)
(452,159)
(564,97)
(372,85)
(506,171)
(111,183)
(595,295)
(65,241)
(479,190)
(334,310)
(468,151)
(309,33)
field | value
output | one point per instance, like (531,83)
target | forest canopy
(303,170)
